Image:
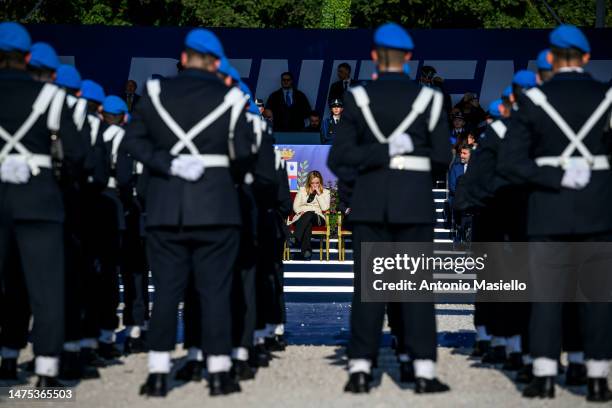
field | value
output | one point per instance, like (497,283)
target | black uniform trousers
(270,279)
(553,266)
(134,270)
(418,319)
(40,248)
(210,252)
(105,240)
(15,310)
(303,228)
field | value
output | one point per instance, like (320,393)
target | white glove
(188,168)
(400,144)
(14,170)
(577,175)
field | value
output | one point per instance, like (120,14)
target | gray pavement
(313,376)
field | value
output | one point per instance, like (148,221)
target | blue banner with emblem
(477,61)
(301,159)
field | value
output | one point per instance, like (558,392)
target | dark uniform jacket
(40,198)
(172,201)
(288,118)
(336,90)
(381,194)
(554,209)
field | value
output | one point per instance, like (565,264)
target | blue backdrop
(480,61)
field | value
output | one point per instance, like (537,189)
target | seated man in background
(314,122)
(309,204)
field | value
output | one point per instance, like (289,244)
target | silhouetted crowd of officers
(188,186)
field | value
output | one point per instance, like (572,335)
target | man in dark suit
(570,177)
(344,82)
(131,97)
(289,106)
(32,116)
(394,159)
(193,221)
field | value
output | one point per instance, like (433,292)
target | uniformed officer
(570,174)
(390,155)
(93,181)
(179,131)
(111,216)
(15,311)
(32,121)
(545,69)
(328,130)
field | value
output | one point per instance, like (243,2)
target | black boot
(259,356)
(598,391)
(480,348)
(71,367)
(406,372)
(495,355)
(425,386)
(48,382)
(222,384)
(358,383)
(134,345)
(108,351)
(525,374)
(155,386)
(576,374)
(191,371)
(514,362)
(90,357)
(242,371)
(276,343)
(540,387)
(8,369)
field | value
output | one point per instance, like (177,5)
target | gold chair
(323,230)
(341,234)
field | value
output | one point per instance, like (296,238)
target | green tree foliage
(336,14)
(305,13)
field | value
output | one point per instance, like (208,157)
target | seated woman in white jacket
(309,204)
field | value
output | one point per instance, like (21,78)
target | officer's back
(189,98)
(380,192)
(549,206)
(40,198)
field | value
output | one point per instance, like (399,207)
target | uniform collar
(395,76)
(10,73)
(571,75)
(198,73)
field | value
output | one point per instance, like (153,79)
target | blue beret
(569,36)
(205,42)
(43,56)
(68,77)
(525,79)
(507,91)
(14,37)
(226,69)
(392,35)
(92,91)
(494,108)
(542,62)
(114,105)
(245,88)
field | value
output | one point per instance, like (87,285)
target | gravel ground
(308,376)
